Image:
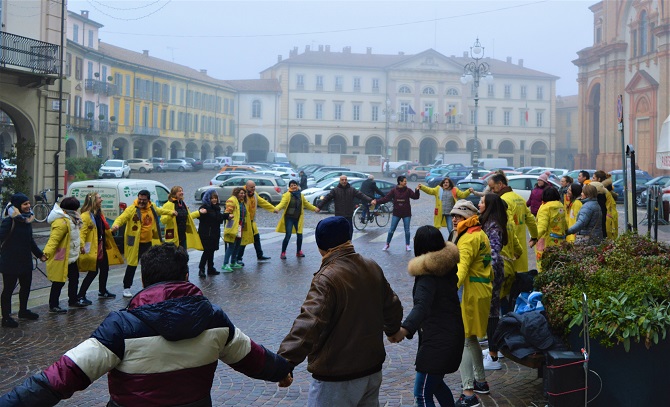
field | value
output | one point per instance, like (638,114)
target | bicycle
(42,206)
(380,214)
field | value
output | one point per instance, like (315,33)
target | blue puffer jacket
(160,351)
(589,220)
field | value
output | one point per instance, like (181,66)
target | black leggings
(72,283)
(8,286)
(102,266)
(207,258)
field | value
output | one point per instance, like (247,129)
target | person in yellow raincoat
(612,222)
(255,201)
(573,204)
(446,195)
(510,252)
(474,274)
(100,250)
(180,229)
(142,232)
(551,223)
(237,229)
(295,203)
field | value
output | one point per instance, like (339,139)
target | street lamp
(474,71)
(389,114)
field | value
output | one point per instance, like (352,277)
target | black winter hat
(331,232)
(18,199)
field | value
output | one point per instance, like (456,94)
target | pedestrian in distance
(180,229)
(136,347)
(565,182)
(142,231)
(446,194)
(303,180)
(346,363)
(17,248)
(62,251)
(100,250)
(343,195)
(436,316)
(254,201)
(293,203)
(400,195)
(237,229)
(535,199)
(583,177)
(370,189)
(551,224)
(209,230)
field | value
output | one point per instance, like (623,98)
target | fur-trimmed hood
(438,263)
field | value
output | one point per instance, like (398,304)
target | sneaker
(467,401)
(77,304)
(106,295)
(283,256)
(481,387)
(9,322)
(386,247)
(127,293)
(263,258)
(57,310)
(28,314)
(240,262)
(202,274)
(300,254)
(486,352)
(226,268)
(85,300)
(409,249)
(490,364)
(236,265)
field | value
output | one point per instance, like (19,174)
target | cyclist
(370,189)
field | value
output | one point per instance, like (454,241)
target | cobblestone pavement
(262,299)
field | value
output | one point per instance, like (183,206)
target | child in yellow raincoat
(237,229)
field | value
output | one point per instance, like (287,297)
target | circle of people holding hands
(486,247)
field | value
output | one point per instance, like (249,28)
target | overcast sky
(238,39)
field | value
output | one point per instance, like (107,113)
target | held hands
(532,243)
(287,381)
(203,210)
(317,210)
(472,190)
(419,186)
(373,202)
(398,336)
(43,258)
(174,213)
(115,228)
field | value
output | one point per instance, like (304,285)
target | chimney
(306,48)
(203,71)
(145,52)
(279,58)
(346,50)
(84,13)
(292,53)
(327,48)
(320,48)
(509,60)
(369,50)
(465,54)
(521,62)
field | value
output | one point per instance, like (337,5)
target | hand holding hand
(174,213)
(373,202)
(115,228)
(471,189)
(398,336)
(43,258)
(287,381)
(203,210)
(532,243)
(317,210)
(419,186)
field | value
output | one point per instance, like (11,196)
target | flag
(423,114)
(410,110)
(453,111)
(526,112)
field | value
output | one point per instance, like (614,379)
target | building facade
(567,131)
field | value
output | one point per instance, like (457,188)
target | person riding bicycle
(369,188)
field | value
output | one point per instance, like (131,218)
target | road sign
(89,145)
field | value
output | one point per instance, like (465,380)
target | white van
(492,163)
(278,158)
(117,195)
(223,161)
(239,158)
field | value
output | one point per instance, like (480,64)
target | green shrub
(626,282)
(86,165)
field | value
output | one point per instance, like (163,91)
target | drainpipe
(60,99)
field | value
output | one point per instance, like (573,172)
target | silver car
(268,187)
(178,164)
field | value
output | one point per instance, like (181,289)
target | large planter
(638,377)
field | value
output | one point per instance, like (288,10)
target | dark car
(476,184)
(618,174)
(641,192)
(384,186)
(617,187)
(455,176)
(196,164)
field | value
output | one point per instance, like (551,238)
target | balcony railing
(37,56)
(79,123)
(100,87)
(146,131)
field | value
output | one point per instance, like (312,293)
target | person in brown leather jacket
(339,329)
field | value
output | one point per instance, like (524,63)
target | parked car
(114,169)
(211,164)
(477,184)
(574,173)
(159,163)
(140,165)
(315,193)
(324,170)
(558,172)
(525,169)
(292,173)
(452,166)
(523,184)
(418,172)
(267,187)
(618,174)
(309,169)
(259,166)
(8,170)
(333,174)
(178,164)
(196,164)
(455,176)
(486,177)
(226,168)
(222,176)
(640,185)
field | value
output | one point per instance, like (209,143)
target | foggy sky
(238,39)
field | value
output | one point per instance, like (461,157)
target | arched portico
(159,149)
(71,147)
(427,150)
(192,150)
(374,145)
(404,150)
(337,145)
(176,150)
(256,146)
(298,144)
(206,151)
(120,149)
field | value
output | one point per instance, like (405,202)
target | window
(338,111)
(126,113)
(232,106)
(317,139)
(89,110)
(166,93)
(154,117)
(103,110)
(375,113)
(171,119)
(523,91)
(508,91)
(156,92)
(490,116)
(643,33)
(225,106)
(319,82)
(232,127)
(428,91)
(256,109)
(451,114)
(356,140)
(652,38)
(375,85)
(540,93)
(472,117)
(299,110)
(118,81)
(357,84)
(634,42)
(489,144)
(452,92)
(522,144)
(174,95)
(404,112)
(491,90)
(568,119)
(428,113)
(318,110)
(404,89)
(89,70)
(338,83)
(538,118)
(128,83)
(77,106)
(164,119)
(357,112)
(78,68)
(300,81)
(68,64)
(90,38)
(523,117)
(75,33)
(507,117)
(117,108)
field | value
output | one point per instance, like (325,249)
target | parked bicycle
(42,206)
(380,214)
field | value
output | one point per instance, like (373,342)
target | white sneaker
(490,364)
(127,293)
(386,247)
(409,249)
(486,352)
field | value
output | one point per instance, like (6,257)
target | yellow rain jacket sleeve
(170,222)
(438,219)
(525,223)
(571,218)
(57,250)
(612,222)
(231,226)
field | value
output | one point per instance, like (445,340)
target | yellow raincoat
(551,227)
(525,223)
(474,274)
(285,199)
(88,234)
(439,220)
(57,250)
(511,251)
(253,202)
(231,226)
(132,218)
(612,221)
(571,212)
(170,222)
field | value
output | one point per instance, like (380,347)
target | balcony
(79,123)
(97,86)
(32,55)
(146,131)
(104,127)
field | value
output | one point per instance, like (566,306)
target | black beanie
(70,203)
(331,232)
(17,199)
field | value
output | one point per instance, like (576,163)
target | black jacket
(303,182)
(210,226)
(369,188)
(16,257)
(344,199)
(437,312)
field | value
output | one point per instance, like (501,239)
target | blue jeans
(231,251)
(394,224)
(290,224)
(450,222)
(428,385)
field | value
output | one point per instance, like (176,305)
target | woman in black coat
(436,315)
(209,230)
(16,258)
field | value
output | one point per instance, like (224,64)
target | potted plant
(627,285)
(112,118)
(101,117)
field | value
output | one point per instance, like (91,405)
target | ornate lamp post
(474,71)
(389,114)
